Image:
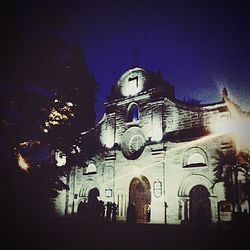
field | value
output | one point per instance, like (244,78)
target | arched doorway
(140,196)
(93,201)
(93,194)
(200,207)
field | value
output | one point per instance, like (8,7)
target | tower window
(132,86)
(133,113)
(133,81)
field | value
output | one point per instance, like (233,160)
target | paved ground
(68,234)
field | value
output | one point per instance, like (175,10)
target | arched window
(91,169)
(133,113)
(195,157)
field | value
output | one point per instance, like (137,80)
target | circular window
(133,143)
(136,142)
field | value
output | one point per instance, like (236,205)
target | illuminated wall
(171,149)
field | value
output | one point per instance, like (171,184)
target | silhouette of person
(101,210)
(109,211)
(80,209)
(114,212)
(84,210)
(131,213)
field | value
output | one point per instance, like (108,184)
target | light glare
(22,163)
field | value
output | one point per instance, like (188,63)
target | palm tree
(243,166)
(223,172)
(227,167)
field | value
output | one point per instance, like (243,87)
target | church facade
(161,154)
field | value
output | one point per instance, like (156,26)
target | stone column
(186,212)
(183,209)
(214,209)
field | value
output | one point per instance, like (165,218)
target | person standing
(131,218)
(109,211)
(114,212)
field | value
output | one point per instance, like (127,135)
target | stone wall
(162,160)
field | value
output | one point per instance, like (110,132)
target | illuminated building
(161,154)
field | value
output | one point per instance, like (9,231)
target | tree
(227,169)
(41,69)
(225,160)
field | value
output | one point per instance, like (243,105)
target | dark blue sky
(199,46)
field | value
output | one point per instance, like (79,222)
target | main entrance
(93,202)
(200,207)
(140,196)
(93,194)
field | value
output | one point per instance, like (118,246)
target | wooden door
(140,196)
(200,207)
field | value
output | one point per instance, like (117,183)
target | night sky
(199,46)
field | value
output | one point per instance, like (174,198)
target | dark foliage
(91,145)
(224,171)
(39,67)
(228,167)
